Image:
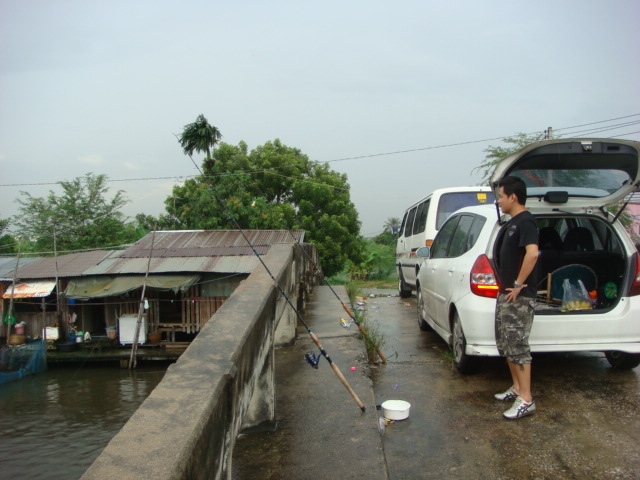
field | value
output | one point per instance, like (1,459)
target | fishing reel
(345,324)
(312,359)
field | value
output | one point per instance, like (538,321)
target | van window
(450,202)
(408,227)
(421,217)
(404,219)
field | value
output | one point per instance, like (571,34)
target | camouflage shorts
(513,326)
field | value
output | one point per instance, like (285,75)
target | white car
(570,184)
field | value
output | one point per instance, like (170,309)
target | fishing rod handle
(347,386)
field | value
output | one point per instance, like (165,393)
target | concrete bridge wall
(224,382)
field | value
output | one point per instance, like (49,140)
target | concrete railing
(224,382)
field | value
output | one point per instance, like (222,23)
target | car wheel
(403,290)
(623,360)
(464,363)
(422,323)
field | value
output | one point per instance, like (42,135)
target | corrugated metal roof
(71,265)
(203,243)
(215,251)
(34,289)
(8,265)
(227,264)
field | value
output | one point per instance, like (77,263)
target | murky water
(54,425)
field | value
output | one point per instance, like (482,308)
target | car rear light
(635,285)
(483,279)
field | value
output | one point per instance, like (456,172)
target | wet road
(587,424)
(586,427)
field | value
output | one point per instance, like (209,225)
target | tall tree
(391,225)
(81,217)
(200,137)
(272,187)
(496,153)
(7,241)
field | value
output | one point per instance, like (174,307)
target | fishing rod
(313,361)
(324,280)
(346,308)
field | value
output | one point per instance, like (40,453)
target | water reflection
(54,425)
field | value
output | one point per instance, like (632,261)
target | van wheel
(422,323)
(623,360)
(464,363)
(403,290)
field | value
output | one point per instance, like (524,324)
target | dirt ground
(587,425)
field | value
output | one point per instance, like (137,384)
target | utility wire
(345,158)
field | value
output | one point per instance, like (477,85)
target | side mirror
(423,252)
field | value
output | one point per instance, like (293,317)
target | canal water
(55,424)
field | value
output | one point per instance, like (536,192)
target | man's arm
(528,264)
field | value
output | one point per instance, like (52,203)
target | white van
(421,222)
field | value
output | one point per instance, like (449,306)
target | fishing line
(324,353)
(324,280)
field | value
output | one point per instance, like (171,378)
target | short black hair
(514,185)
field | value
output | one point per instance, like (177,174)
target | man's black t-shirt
(519,232)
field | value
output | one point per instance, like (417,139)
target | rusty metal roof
(71,265)
(206,243)
(227,264)
(213,251)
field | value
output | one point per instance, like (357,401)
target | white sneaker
(507,396)
(520,409)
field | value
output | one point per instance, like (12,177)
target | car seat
(578,239)
(549,239)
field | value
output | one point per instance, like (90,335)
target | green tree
(7,241)
(272,187)
(391,225)
(81,217)
(200,137)
(496,153)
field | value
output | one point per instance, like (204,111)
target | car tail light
(483,279)
(635,285)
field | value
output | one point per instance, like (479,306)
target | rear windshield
(450,202)
(596,172)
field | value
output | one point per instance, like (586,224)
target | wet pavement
(587,424)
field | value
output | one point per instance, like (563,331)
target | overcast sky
(104,86)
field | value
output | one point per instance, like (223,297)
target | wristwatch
(517,285)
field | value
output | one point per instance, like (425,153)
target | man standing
(516,255)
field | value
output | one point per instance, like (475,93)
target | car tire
(623,360)
(403,290)
(422,323)
(463,362)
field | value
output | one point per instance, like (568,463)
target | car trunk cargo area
(577,252)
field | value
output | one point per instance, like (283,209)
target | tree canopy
(82,217)
(273,186)
(497,153)
(199,137)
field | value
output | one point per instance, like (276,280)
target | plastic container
(395,409)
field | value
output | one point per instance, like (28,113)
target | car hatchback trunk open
(588,253)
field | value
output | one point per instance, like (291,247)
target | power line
(358,157)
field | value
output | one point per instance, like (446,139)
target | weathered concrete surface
(321,431)
(587,425)
(187,427)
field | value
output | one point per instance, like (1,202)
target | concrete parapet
(223,382)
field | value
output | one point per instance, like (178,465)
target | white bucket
(395,409)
